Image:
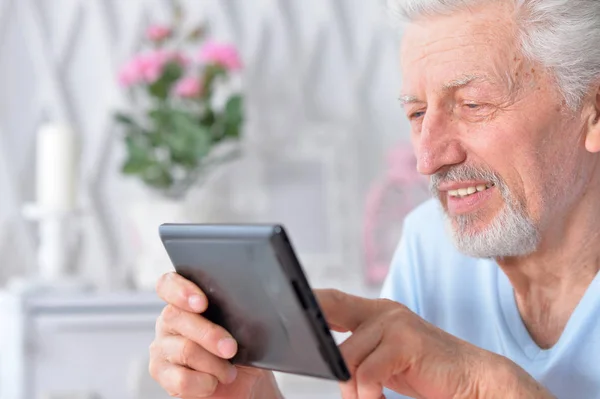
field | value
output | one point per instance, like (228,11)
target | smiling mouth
(467,191)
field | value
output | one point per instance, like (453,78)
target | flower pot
(150,259)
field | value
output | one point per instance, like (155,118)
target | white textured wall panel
(321,80)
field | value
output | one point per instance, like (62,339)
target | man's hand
(392,347)
(190,355)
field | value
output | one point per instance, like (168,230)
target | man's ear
(592,140)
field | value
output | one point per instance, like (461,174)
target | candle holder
(58,231)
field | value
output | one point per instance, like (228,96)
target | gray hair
(562,35)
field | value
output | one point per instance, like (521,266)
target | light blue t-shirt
(474,300)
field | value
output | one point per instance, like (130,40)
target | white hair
(562,35)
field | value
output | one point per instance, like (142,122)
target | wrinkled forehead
(439,49)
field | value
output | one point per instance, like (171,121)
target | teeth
(466,191)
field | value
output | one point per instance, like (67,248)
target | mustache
(463,173)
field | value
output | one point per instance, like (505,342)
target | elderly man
(504,102)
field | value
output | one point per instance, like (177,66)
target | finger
(181,351)
(369,384)
(349,389)
(370,391)
(180,292)
(181,382)
(361,344)
(345,312)
(377,369)
(208,335)
(355,349)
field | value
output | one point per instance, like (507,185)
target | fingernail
(227,347)
(196,303)
(232,375)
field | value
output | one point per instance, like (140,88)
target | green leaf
(190,140)
(171,73)
(157,174)
(155,138)
(138,155)
(201,143)
(208,118)
(234,109)
(125,119)
(133,167)
(234,116)
(161,118)
(232,131)
(136,145)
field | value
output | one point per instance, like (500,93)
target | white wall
(321,84)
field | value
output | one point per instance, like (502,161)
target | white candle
(56,169)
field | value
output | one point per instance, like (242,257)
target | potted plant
(184,109)
(185,119)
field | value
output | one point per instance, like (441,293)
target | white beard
(511,232)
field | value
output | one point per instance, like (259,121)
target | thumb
(344,312)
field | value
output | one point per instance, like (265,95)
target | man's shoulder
(429,274)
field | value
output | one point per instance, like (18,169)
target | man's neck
(550,283)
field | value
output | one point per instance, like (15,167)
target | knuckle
(170,313)
(153,369)
(392,311)
(336,295)
(209,385)
(159,325)
(181,384)
(208,331)
(199,385)
(384,304)
(188,352)
(154,349)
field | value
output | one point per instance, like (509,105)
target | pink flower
(152,64)
(130,74)
(188,87)
(148,67)
(158,33)
(222,54)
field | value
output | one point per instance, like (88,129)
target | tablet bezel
(277,238)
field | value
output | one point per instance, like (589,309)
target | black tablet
(257,291)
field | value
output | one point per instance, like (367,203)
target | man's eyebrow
(462,81)
(408,99)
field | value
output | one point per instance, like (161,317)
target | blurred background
(117,116)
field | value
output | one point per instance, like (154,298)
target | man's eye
(473,106)
(416,115)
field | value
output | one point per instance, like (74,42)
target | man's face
(504,153)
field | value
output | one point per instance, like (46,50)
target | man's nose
(437,145)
